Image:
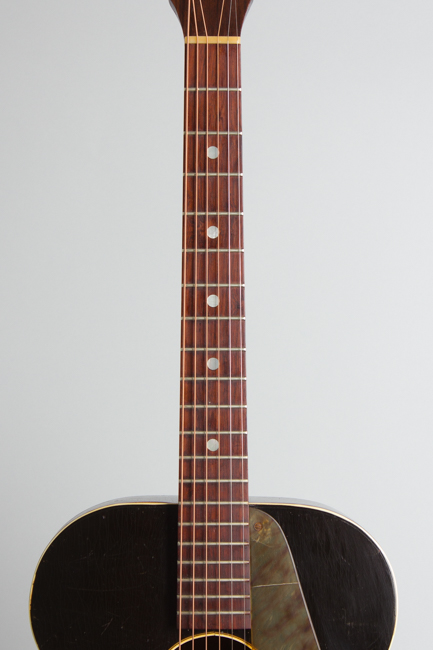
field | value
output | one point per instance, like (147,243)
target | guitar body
(214,572)
(108,581)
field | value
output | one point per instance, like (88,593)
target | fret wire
(215,580)
(213,250)
(214,132)
(217,596)
(214,284)
(215,433)
(219,174)
(193,89)
(216,503)
(213,350)
(216,215)
(213,378)
(213,613)
(217,523)
(213,543)
(229,99)
(215,562)
(213,406)
(223,480)
(216,457)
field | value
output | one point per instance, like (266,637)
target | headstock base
(211,17)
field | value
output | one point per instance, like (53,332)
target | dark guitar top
(108,581)
(275,577)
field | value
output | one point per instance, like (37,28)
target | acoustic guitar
(210,570)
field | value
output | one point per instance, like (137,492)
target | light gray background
(338,149)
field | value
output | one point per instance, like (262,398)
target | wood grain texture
(213,66)
(108,580)
(213,483)
(211,17)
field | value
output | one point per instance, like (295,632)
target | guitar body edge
(108,579)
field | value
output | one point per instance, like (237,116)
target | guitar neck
(213,481)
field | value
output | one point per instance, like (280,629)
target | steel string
(195,327)
(230,314)
(206,318)
(219,322)
(183,357)
(241,336)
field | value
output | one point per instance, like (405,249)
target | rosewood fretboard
(214,590)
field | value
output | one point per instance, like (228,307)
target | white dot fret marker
(213,152)
(212,444)
(213,232)
(213,363)
(213,300)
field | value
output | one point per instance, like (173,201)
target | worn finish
(108,580)
(279,613)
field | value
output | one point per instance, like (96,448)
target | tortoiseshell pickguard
(280,617)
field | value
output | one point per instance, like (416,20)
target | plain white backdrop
(338,168)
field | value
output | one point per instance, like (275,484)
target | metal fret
(213,250)
(215,379)
(213,503)
(215,457)
(212,349)
(215,597)
(214,174)
(213,330)
(213,543)
(214,480)
(213,89)
(212,406)
(214,132)
(215,523)
(215,580)
(213,612)
(213,562)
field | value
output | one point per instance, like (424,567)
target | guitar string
(196,274)
(219,322)
(236,49)
(183,328)
(206,283)
(237,168)
(206,413)
(230,321)
(194,554)
(240,220)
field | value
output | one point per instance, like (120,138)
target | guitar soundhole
(212,642)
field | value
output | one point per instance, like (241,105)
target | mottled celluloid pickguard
(280,618)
